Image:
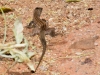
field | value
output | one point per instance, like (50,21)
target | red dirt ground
(74,21)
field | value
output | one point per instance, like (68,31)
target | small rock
(86,61)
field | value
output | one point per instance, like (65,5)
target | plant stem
(5,25)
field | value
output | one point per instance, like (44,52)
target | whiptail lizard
(41,29)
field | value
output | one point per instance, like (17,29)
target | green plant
(17,50)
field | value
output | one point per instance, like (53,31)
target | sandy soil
(66,53)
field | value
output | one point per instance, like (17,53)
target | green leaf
(30,54)
(18,31)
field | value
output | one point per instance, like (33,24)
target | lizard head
(38,10)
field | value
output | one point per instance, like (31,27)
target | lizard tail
(43,42)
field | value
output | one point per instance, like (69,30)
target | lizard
(42,29)
(36,19)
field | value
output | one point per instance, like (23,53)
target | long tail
(43,42)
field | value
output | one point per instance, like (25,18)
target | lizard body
(42,25)
(40,28)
